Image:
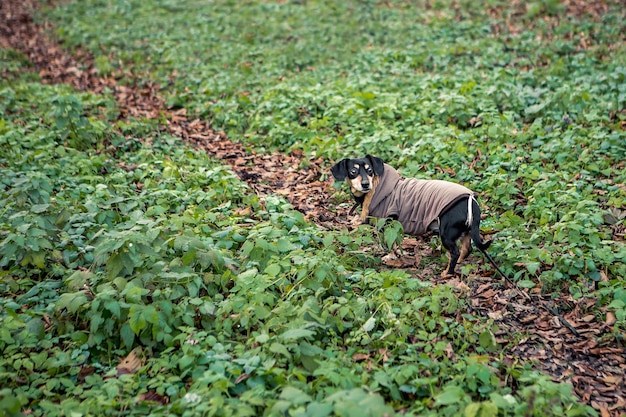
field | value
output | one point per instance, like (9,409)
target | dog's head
(359,173)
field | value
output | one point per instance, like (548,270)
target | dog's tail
(473,220)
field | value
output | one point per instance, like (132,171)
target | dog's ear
(377,164)
(340,170)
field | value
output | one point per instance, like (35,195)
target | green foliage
(389,232)
(505,98)
(108,242)
(142,245)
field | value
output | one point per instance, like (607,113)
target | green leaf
(78,279)
(487,340)
(450,395)
(272,270)
(483,409)
(150,314)
(72,301)
(114,265)
(534,109)
(317,409)
(39,208)
(114,307)
(533,267)
(294,395)
(284,245)
(391,235)
(471,410)
(369,324)
(488,409)
(133,294)
(127,335)
(136,320)
(185,362)
(505,402)
(9,402)
(526,283)
(39,259)
(295,334)
(35,326)
(280,348)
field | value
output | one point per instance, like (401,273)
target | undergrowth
(523,103)
(114,236)
(113,243)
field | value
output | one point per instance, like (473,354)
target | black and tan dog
(443,207)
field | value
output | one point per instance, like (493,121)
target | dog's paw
(447,275)
(357,221)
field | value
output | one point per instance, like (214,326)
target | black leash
(542,304)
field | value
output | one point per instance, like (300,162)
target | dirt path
(592,359)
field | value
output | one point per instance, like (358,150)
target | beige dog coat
(416,203)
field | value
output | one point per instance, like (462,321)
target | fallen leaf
(241,378)
(450,352)
(610,319)
(358,357)
(588,318)
(495,315)
(131,363)
(154,397)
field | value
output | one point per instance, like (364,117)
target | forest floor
(574,346)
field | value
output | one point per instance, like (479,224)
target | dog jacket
(416,203)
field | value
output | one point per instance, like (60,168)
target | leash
(543,305)
(354,207)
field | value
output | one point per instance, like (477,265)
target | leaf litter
(587,354)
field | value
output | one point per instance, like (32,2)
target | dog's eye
(369,171)
(353,172)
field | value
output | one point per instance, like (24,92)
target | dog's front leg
(365,210)
(367,201)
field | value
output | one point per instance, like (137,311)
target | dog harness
(417,204)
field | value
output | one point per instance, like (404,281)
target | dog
(421,206)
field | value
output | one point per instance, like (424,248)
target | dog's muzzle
(366,185)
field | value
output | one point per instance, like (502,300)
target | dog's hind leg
(466,247)
(453,256)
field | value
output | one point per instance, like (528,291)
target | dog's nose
(365,185)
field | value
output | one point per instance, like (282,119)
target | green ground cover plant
(115,236)
(525,104)
(110,242)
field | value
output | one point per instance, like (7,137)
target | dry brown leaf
(384,353)
(131,363)
(460,285)
(358,357)
(450,352)
(392,262)
(529,319)
(241,378)
(610,319)
(154,397)
(588,318)
(495,315)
